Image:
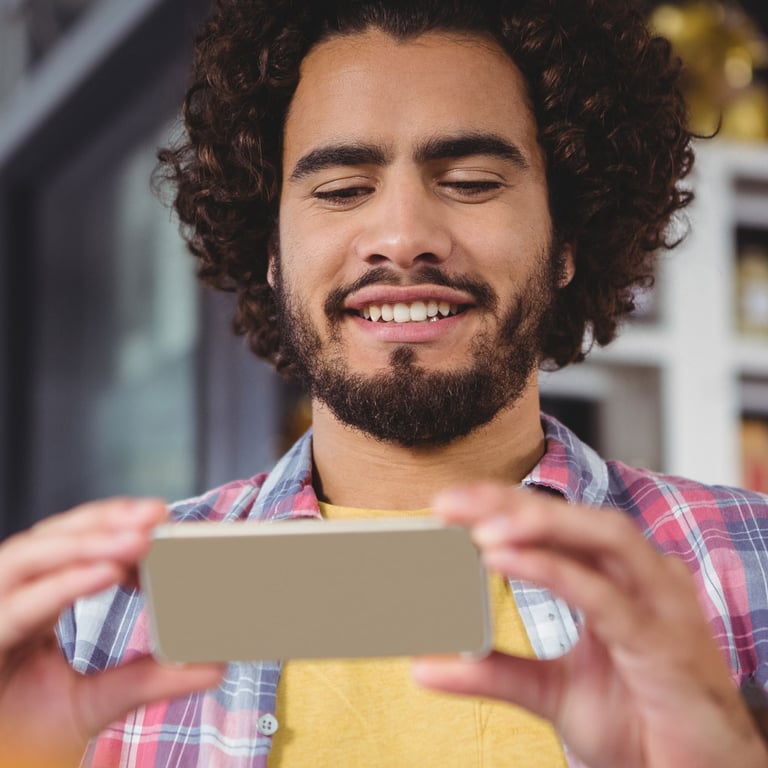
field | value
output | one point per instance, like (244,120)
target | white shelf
(753,397)
(638,344)
(690,374)
(750,356)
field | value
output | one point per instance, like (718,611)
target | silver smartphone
(309,589)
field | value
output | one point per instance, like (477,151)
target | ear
(567,265)
(273,250)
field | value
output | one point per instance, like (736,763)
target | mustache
(481,291)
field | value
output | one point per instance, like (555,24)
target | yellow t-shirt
(368,713)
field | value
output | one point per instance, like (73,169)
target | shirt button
(267,724)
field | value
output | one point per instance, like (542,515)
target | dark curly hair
(605,94)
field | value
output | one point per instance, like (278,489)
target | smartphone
(314,589)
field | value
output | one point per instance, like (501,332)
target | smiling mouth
(413,312)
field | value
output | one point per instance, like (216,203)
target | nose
(404,227)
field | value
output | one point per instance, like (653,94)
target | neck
(353,469)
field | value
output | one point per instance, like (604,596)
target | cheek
(310,266)
(502,257)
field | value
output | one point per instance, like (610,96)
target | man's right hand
(48,712)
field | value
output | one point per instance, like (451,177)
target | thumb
(532,684)
(106,696)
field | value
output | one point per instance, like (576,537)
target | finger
(90,703)
(104,514)
(598,535)
(615,615)
(107,696)
(500,514)
(116,529)
(467,505)
(538,519)
(533,684)
(594,558)
(30,558)
(37,605)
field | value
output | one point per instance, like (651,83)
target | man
(418,204)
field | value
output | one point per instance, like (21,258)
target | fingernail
(492,530)
(453,498)
(147,508)
(127,537)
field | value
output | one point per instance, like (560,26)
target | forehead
(371,87)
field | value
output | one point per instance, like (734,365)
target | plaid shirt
(720,532)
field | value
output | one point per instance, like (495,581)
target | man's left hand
(646,685)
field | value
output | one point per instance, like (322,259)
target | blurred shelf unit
(675,391)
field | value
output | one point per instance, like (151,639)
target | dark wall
(154,58)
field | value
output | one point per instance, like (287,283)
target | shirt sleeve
(102,631)
(66,633)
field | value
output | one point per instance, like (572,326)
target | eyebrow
(334,155)
(468,144)
(438,148)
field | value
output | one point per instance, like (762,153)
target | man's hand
(646,686)
(48,712)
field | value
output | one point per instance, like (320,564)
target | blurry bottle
(752,290)
(754,454)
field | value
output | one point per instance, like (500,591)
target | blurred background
(119,375)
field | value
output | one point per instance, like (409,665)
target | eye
(343,194)
(472,188)
(468,186)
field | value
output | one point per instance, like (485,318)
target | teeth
(402,313)
(417,312)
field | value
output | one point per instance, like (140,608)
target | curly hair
(605,95)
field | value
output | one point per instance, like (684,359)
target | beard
(407,404)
